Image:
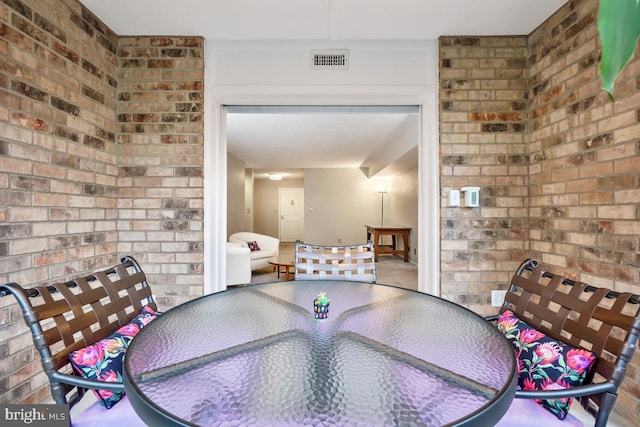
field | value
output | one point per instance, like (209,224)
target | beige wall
(265,199)
(248,199)
(236,200)
(401,207)
(338,204)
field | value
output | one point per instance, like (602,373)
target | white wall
(287,63)
(402,72)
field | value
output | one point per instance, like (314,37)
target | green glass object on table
(321,306)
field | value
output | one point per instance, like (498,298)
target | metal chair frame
(597,319)
(68,316)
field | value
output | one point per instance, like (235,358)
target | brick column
(160,142)
(483,143)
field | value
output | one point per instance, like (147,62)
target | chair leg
(606,406)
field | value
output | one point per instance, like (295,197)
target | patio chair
(580,319)
(318,262)
(90,315)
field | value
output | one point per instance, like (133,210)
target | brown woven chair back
(65,317)
(597,319)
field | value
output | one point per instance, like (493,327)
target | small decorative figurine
(321,306)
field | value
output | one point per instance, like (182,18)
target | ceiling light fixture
(275,176)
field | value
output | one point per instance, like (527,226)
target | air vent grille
(335,59)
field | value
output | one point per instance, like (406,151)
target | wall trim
(215,193)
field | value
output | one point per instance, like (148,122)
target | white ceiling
(275,141)
(322,19)
(270,139)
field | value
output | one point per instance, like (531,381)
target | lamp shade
(382,185)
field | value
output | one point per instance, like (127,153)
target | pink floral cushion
(253,246)
(103,360)
(544,363)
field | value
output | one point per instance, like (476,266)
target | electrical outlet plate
(497,298)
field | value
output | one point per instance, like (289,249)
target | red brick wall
(101,147)
(484,143)
(58,154)
(568,191)
(160,138)
(585,164)
(101,154)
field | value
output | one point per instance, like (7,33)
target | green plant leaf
(619,27)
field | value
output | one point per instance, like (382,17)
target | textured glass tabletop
(257,356)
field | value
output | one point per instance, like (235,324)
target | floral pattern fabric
(103,360)
(253,246)
(545,364)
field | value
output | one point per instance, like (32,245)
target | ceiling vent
(334,59)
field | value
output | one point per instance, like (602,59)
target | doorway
(291,202)
(215,169)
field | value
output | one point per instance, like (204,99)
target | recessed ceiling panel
(312,139)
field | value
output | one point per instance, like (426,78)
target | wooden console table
(392,249)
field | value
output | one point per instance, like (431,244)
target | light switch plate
(454,198)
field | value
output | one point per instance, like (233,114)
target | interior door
(291,201)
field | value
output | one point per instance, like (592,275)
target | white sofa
(238,264)
(269,248)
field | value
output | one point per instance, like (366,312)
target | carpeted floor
(390,270)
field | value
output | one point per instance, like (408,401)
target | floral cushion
(103,360)
(253,246)
(544,363)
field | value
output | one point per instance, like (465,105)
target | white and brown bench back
(321,262)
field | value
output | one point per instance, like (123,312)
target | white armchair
(238,264)
(269,248)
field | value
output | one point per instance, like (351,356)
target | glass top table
(257,356)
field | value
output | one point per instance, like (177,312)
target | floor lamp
(382,193)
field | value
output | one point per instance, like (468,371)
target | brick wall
(101,146)
(101,154)
(585,164)
(160,138)
(58,173)
(568,192)
(484,143)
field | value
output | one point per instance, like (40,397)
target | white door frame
(280,190)
(215,166)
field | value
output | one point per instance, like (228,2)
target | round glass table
(257,356)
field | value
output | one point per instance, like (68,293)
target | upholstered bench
(572,341)
(81,329)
